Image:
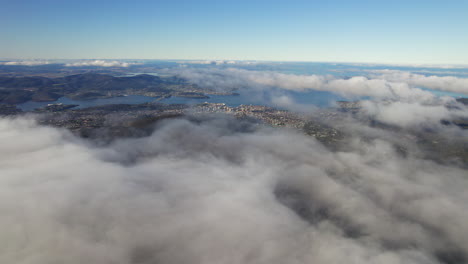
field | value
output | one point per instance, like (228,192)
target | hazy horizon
(225,60)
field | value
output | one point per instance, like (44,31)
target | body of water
(321,99)
(131,99)
(315,98)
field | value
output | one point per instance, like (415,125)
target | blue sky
(338,30)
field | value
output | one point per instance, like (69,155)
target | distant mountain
(83,86)
(25,82)
(15,96)
(101,82)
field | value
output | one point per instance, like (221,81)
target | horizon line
(415,64)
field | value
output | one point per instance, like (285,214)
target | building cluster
(265,114)
(119,116)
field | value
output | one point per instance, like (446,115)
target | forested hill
(22,89)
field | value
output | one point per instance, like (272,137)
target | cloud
(409,65)
(99,63)
(443,83)
(395,101)
(221,191)
(353,87)
(218,62)
(412,115)
(439,72)
(25,63)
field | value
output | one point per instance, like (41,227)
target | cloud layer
(223,191)
(395,98)
(443,83)
(218,62)
(352,87)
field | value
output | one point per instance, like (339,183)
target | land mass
(108,122)
(123,120)
(17,90)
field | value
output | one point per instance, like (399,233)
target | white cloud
(443,83)
(211,193)
(411,115)
(25,63)
(352,87)
(99,63)
(394,101)
(425,66)
(218,62)
(197,62)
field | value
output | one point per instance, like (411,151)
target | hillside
(85,86)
